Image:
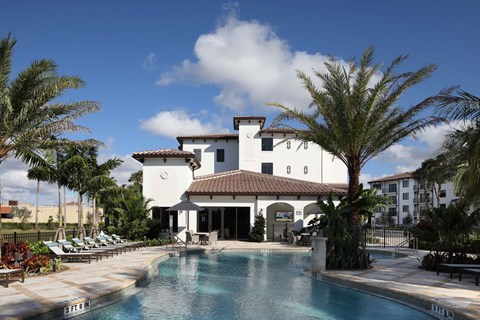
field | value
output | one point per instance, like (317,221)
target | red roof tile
(220,136)
(403,175)
(166,153)
(237,119)
(241,182)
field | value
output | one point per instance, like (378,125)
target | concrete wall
(209,148)
(165,181)
(45,211)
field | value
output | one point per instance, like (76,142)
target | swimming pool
(248,285)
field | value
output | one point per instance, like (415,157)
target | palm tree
(136,177)
(356,117)
(462,146)
(98,180)
(29,114)
(40,173)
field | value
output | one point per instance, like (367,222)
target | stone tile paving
(117,277)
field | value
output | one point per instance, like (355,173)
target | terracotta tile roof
(237,119)
(398,176)
(166,153)
(241,182)
(219,136)
(5,210)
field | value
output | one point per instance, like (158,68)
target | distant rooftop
(398,176)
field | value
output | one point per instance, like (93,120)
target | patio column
(319,257)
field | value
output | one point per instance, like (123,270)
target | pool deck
(116,278)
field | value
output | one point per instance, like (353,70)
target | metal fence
(387,237)
(31,237)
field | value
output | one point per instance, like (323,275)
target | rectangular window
(405,208)
(198,154)
(267,167)
(405,183)
(220,155)
(443,193)
(392,188)
(267,144)
(377,186)
(405,196)
(392,211)
(393,199)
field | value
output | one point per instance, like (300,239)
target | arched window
(305,169)
(289,144)
(289,169)
(305,144)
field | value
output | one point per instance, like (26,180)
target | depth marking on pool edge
(76,309)
(442,313)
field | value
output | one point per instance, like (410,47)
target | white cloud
(250,64)
(16,186)
(179,122)
(125,170)
(150,62)
(409,154)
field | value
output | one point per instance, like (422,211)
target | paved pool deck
(112,279)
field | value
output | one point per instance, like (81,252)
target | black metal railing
(31,237)
(386,236)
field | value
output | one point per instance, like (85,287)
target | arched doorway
(280,219)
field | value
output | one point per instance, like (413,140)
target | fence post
(15,237)
(384,237)
(38,236)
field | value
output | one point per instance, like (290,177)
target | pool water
(248,285)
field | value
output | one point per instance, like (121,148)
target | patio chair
(454,267)
(211,237)
(91,242)
(79,256)
(81,244)
(8,273)
(191,237)
(68,247)
(291,238)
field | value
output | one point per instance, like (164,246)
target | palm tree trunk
(354,195)
(36,204)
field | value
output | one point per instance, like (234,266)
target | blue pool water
(248,285)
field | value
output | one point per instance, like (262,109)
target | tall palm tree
(356,117)
(462,146)
(40,173)
(29,114)
(98,181)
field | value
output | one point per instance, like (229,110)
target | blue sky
(161,68)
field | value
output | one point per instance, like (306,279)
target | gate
(387,237)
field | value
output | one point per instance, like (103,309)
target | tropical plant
(355,117)
(336,228)
(453,225)
(258,230)
(133,214)
(432,174)
(40,173)
(462,146)
(136,177)
(29,116)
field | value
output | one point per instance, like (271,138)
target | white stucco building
(235,176)
(408,197)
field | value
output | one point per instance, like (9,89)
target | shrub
(258,231)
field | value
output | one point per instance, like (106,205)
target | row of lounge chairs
(460,269)
(87,249)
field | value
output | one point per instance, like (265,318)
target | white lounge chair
(8,273)
(79,256)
